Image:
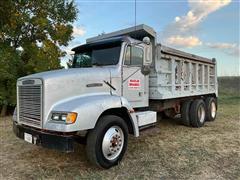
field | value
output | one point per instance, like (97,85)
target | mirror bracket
(145,70)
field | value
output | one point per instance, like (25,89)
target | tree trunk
(3,111)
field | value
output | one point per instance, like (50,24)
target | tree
(31,34)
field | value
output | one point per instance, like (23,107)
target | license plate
(28,138)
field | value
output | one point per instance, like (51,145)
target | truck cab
(128,62)
(111,90)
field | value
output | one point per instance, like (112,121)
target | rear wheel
(185,111)
(197,113)
(211,108)
(107,142)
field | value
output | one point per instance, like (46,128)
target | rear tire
(211,108)
(107,142)
(185,113)
(197,113)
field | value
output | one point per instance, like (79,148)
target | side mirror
(147,56)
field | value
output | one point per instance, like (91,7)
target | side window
(137,56)
(134,56)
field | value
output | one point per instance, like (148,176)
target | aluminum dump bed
(178,74)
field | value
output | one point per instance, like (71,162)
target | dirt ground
(167,151)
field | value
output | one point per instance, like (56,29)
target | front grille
(29,105)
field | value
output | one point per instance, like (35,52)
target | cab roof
(137,32)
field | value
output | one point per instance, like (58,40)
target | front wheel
(107,142)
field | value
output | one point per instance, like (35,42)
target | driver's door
(135,84)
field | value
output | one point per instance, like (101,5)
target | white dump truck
(115,87)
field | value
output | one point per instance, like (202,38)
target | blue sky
(207,28)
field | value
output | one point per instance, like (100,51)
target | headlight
(68,118)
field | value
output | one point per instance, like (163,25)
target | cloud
(79,31)
(199,10)
(188,24)
(221,45)
(181,41)
(229,48)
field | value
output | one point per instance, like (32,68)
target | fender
(130,109)
(89,108)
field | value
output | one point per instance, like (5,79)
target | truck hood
(61,85)
(67,73)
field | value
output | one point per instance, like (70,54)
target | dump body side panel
(178,74)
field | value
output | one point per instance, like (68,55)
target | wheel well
(210,95)
(124,114)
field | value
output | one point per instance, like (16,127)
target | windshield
(99,56)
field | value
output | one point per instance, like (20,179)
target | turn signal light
(71,118)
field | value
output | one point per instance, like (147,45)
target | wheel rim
(201,113)
(112,143)
(213,110)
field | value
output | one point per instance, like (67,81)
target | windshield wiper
(106,82)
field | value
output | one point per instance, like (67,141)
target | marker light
(71,118)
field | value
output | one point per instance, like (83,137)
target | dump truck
(116,85)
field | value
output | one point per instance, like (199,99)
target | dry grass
(168,151)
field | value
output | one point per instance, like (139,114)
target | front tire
(107,142)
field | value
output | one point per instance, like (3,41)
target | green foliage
(229,86)
(31,33)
